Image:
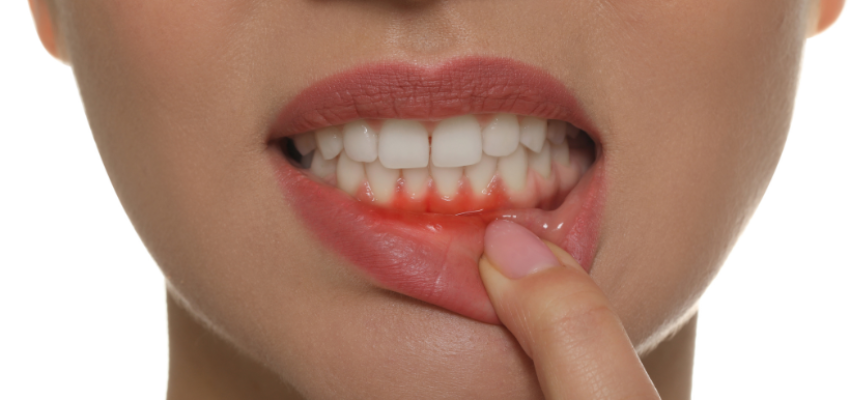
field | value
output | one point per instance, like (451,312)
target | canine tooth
(501,136)
(446,179)
(514,169)
(456,142)
(542,161)
(307,161)
(561,154)
(415,181)
(382,181)
(321,167)
(349,174)
(329,141)
(556,132)
(360,141)
(481,174)
(403,144)
(532,133)
(305,142)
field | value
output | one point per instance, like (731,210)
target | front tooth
(321,167)
(360,141)
(514,169)
(456,142)
(382,181)
(542,161)
(533,133)
(561,154)
(501,136)
(349,174)
(556,132)
(415,181)
(446,180)
(330,142)
(403,144)
(481,174)
(305,143)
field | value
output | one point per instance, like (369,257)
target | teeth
(382,181)
(541,161)
(556,132)
(305,143)
(481,174)
(456,142)
(533,133)
(397,157)
(403,144)
(415,182)
(349,174)
(501,136)
(514,169)
(329,141)
(561,154)
(446,180)
(360,141)
(321,167)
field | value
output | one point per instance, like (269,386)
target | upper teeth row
(454,142)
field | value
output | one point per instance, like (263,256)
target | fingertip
(515,251)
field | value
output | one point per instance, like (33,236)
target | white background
(82,305)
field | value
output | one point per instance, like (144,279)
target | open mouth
(460,165)
(399,168)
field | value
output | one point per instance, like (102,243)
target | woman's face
(192,105)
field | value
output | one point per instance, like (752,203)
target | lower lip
(434,257)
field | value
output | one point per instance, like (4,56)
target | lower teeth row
(402,153)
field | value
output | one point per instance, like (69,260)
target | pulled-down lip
(433,257)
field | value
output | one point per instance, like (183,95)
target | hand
(560,317)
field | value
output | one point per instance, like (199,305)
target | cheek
(701,97)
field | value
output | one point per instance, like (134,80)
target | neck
(204,366)
(671,364)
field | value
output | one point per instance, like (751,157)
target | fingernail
(515,251)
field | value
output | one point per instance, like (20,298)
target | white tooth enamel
(556,132)
(481,174)
(501,136)
(305,143)
(330,142)
(382,181)
(542,161)
(532,133)
(514,169)
(360,141)
(403,144)
(415,182)
(561,154)
(349,174)
(446,180)
(321,167)
(456,142)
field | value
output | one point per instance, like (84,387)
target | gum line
(533,171)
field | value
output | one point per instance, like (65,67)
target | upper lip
(406,91)
(434,257)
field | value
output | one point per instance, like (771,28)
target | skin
(693,100)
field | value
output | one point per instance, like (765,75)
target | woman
(248,142)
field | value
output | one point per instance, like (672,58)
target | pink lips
(433,257)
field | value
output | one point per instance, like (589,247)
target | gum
(544,193)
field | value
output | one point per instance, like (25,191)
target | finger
(561,318)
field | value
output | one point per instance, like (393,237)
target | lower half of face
(314,177)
